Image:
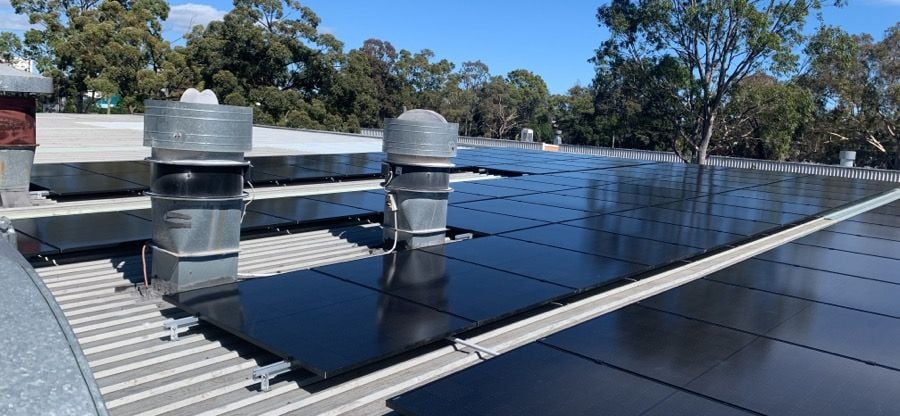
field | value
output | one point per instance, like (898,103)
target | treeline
(272,56)
(716,77)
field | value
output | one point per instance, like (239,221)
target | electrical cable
(144,265)
(252,197)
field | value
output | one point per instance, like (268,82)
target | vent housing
(418,148)
(196,191)
(18,139)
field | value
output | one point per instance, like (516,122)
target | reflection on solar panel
(809,328)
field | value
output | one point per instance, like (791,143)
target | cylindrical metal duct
(418,145)
(17,133)
(196,190)
(848,157)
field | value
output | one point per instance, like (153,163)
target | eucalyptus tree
(718,42)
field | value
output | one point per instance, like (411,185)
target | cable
(144,265)
(252,196)
(392,204)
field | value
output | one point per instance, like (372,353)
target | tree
(576,116)
(497,110)
(766,119)
(855,82)
(10,46)
(532,99)
(271,55)
(719,42)
(97,42)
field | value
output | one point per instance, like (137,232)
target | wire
(252,197)
(144,265)
(396,234)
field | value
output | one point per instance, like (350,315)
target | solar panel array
(546,239)
(810,327)
(81,232)
(124,177)
(71,180)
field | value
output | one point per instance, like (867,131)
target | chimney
(18,139)
(418,146)
(196,191)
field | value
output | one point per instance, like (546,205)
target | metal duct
(17,133)
(418,146)
(196,190)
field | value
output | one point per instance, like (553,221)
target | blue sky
(551,38)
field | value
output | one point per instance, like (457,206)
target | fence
(671,157)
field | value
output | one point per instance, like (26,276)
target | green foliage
(717,43)
(695,77)
(85,44)
(10,46)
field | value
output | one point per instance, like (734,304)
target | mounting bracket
(176,325)
(266,373)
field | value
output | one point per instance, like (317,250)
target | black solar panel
(462,289)
(320,323)
(564,267)
(86,231)
(813,333)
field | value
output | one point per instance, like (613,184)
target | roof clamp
(265,374)
(177,325)
(484,350)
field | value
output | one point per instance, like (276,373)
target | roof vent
(418,146)
(17,133)
(197,188)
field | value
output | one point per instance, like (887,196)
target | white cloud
(328,30)
(183,17)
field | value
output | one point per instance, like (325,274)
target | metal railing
(723,161)
(671,157)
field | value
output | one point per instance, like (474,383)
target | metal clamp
(474,346)
(266,373)
(176,325)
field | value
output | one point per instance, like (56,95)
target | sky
(553,39)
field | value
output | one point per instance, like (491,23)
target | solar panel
(663,346)
(304,210)
(364,200)
(486,222)
(632,249)
(462,289)
(815,285)
(538,380)
(853,243)
(870,267)
(552,264)
(87,183)
(731,211)
(699,220)
(29,246)
(596,206)
(525,210)
(318,322)
(86,231)
(667,233)
(731,306)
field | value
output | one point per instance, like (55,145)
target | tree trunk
(707,133)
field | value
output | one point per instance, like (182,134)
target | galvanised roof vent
(17,133)
(419,146)
(197,188)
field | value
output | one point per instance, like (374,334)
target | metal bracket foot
(176,325)
(266,373)
(474,346)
